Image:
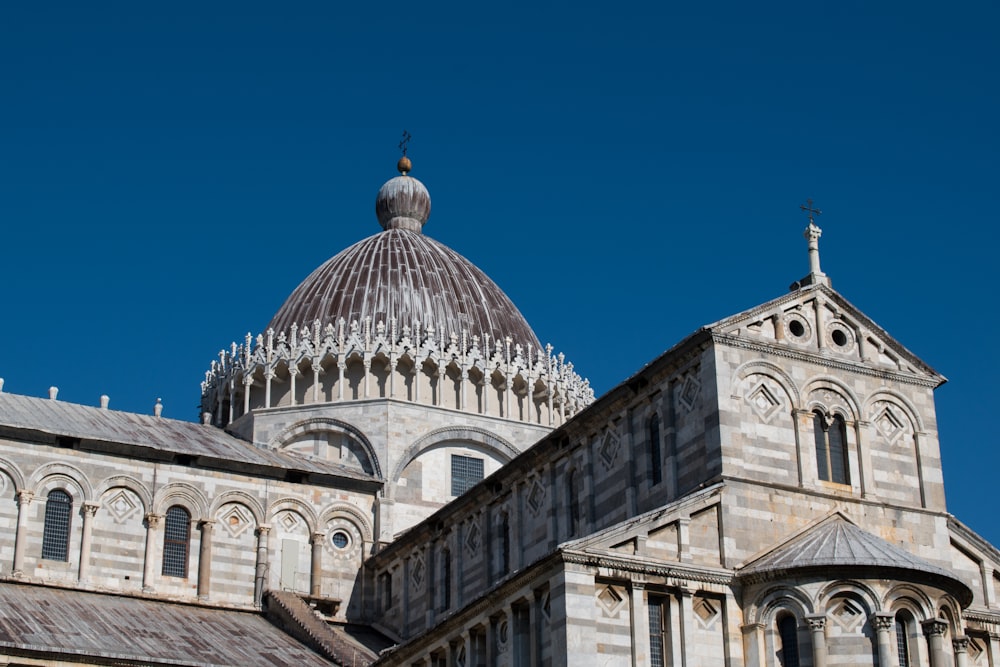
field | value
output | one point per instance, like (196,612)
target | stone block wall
(116,526)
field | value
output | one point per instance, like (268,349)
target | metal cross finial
(406,140)
(807,208)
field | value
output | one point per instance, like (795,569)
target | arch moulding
(63,471)
(241,498)
(325,425)
(182,494)
(758,367)
(16,476)
(477,436)
(126,482)
(338,510)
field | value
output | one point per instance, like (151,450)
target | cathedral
(397,473)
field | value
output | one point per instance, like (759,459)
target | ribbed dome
(402,274)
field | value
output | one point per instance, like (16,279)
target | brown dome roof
(402,274)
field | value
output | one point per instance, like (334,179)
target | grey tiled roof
(48,622)
(836,542)
(406,276)
(60,418)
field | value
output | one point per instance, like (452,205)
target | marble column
(934,630)
(817,627)
(88,510)
(316,567)
(883,624)
(260,571)
(753,644)
(268,376)
(961,648)
(316,368)
(153,522)
(205,560)
(24,498)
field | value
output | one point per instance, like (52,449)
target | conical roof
(400,274)
(836,542)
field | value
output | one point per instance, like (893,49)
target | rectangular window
(466,472)
(656,643)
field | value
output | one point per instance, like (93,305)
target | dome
(401,274)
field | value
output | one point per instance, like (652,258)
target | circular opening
(839,337)
(797,329)
(340,539)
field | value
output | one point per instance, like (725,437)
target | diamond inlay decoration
(847,614)
(289,521)
(610,600)
(689,392)
(417,571)
(121,506)
(889,425)
(763,401)
(705,611)
(536,497)
(473,539)
(975,650)
(609,448)
(236,520)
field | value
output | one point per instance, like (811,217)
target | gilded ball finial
(404,165)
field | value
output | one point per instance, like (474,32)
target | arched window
(573,502)
(788,631)
(655,452)
(55,538)
(831,448)
(176,539)
(902,640)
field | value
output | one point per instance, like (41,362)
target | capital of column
(317,537)
(817,622)
(206,524)
(24,497)
(153,520)
(750,628)
(263,529)
(90,507)
(934,627)
(247,380)
(883,622)
(960,644)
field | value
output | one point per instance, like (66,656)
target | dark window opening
(788,631)
(831,448)
(655,452)
(466,472)
(55,536)
(176,539)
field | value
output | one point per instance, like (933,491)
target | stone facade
(780,464)
(769,491)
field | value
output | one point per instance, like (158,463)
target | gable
(816,320)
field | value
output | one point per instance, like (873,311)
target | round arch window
(340,540)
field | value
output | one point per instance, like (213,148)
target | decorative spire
(812,234)
(403,202)
(404,165)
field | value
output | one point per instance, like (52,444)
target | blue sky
(626,172)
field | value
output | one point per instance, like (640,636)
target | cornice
(830,362)
(636,565)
